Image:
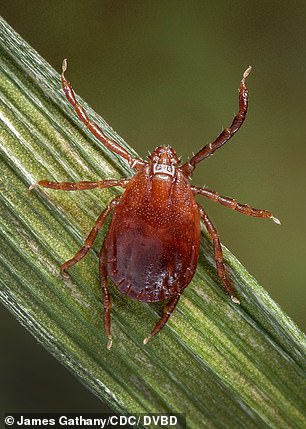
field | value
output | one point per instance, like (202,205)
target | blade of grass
(218,363)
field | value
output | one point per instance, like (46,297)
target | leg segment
(93,127)
(226,134)
(80,186)
(233,204)
(167,311)
(106,298)
(218,255)
(91,237)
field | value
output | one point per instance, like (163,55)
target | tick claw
(64,274)
(247,72)
(64,66)
(32,186)
(146,340)
(235,300)
(109,343)
(276,220)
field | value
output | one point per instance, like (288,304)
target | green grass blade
(220,364)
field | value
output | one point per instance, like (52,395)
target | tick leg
(167,311)
(93,127)
(218,255)
(91,237)
(227,133)
(106,298)
(233,204)
(80,186)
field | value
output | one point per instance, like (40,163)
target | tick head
(164,160)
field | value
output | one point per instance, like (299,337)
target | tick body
(152,245)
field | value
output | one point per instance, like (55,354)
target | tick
(152,245)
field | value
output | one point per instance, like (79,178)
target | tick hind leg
(167,311)
(91,237)
(107,304)
(218,255)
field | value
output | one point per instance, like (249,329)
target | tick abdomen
(153,240)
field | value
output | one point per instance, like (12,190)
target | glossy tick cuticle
(152,245)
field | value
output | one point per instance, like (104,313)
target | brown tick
(152,245)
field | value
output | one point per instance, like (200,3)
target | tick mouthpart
(164,169)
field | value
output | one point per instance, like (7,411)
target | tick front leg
(218,255)
(167,311)
(227,133)
(233,204)
(80,186)
(93,127)
(107,304)
(91,237)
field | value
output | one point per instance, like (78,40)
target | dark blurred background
(167,72)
